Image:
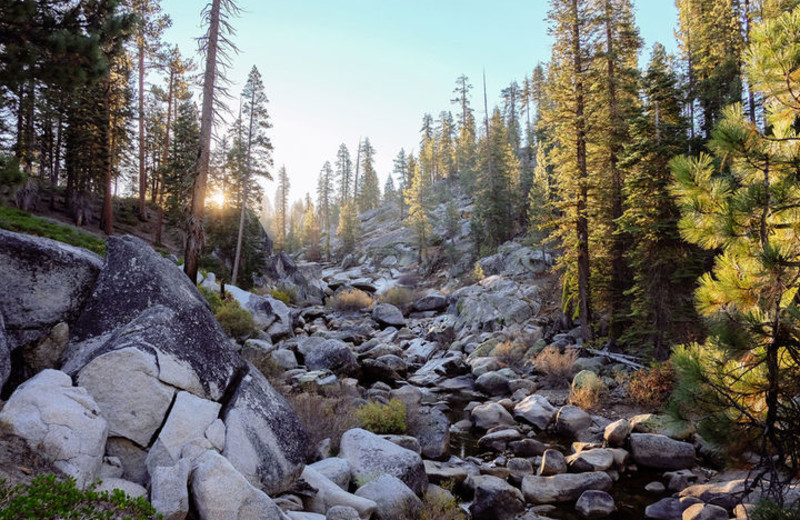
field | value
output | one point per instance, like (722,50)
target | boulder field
(115,369)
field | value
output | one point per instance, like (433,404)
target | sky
(337,71)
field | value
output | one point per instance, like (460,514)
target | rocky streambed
(116,369)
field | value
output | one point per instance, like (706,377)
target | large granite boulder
(144,301)
(493,303)
(221,492)
(490,414)
(43,282)
(264,440)
(536,410)
(661,452)
(387,315)
(60,421)
(370,456)
(5,355)
(432,428)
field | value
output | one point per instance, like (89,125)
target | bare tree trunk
(355,182)
(195,237)
(238,256)
(107,218)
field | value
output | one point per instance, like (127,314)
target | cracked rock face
(62,421)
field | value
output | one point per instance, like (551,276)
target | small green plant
(477,273)
(235,321)
(437,506)
(10,173)
(767,510)
(49,497)
(350,300)
(212,297)
(284,295)
(383,418)
(23,222)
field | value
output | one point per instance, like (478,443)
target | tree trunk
(582,221)
(195,237)
(238,256)
(107,219)
(142,171)
(165,156)
(355,181)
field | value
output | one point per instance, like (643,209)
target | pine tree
(257,151)
(415,195)
(615,96)
(389,190)
(178,171)
(465,142)
(511,104)
(344,172)
(311,231)
(349,227)
(403,178)
(325,201)
(369,196)
(743,203)
(572,25)
(445,151)
(427,150)
(282,209)
(659,260)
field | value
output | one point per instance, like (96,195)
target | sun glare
(217,198)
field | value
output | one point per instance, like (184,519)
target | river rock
(328,494)
(333,355)
(527,447)
(495,499)
(394,499)
(553,463)
(265,440)
(342,513)
(617,432)
(387,315)
(566,487)
(595,504)
(491,414)
(590,460)
(432,428)
(62,422)
(536,410)
(43,282)
(499,439)
(661,452)
(571,420)
(492,383)
(704,512)
(666,509)
(221,492)
(433,300)
(370,455)
(724,494)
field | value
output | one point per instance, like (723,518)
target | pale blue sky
(339,70)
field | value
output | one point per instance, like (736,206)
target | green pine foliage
(416,199)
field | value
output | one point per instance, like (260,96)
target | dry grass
(324,416)
(556,365)
(510,353)
(400,297)
(350,300)
(652,388)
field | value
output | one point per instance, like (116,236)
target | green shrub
(383,418)
(23,222)
(767,510)
(212,297)
(10,174)
(287,296)
(652,387)
(48,497)
(235,321)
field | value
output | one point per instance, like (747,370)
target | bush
(383,418)
(510,353)
(556,365)
(235,321)
(10,173)
(477,273)
(400,297)
(652,388)
(22,222)
(324,416)
(48,497)
(350,300)
(586,390)
(437,506)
